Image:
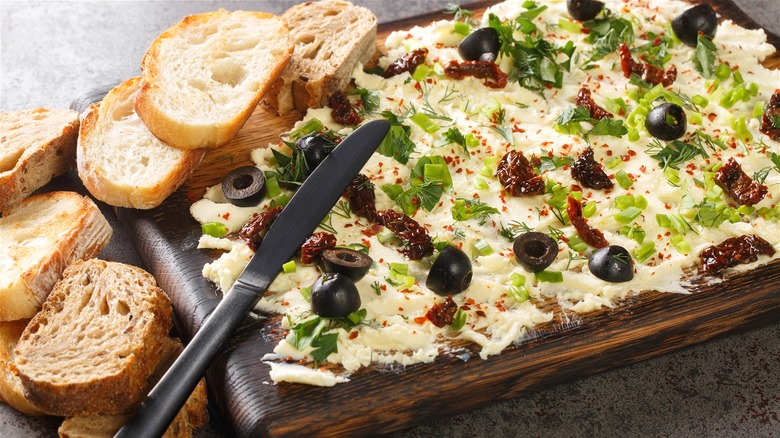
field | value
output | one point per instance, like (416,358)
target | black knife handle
(166,399)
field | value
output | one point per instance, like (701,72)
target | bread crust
(184,134)
(111,380)
(84,233)
(39,162)
(96,139)
(11,391)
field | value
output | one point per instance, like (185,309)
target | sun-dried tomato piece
(589,172)
(517,176)
(494,77)
(315,245)
(734,251)
(770,121)
(591,236)
(734,181)
(343,112)
(647,72)
(585,100)
(257,227)
(361,196)
(442,314)
(416,241)
(408,62)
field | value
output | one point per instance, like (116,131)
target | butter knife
(313,200)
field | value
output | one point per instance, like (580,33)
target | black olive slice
(353,264)
(314,147)
(701,18)
(244,186)
(450,273)
(584,10)
(334,296)
(480,45)
(535,251)
(612,263)
(666,122)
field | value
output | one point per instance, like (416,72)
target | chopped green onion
(421,72)
(570,26)
(589,209)
(628,215)
(680,244)
(695,118)
(399,268)
(616,105)
(576,194)
(458,320)
(436,173)
(673,176)
(633,134)
(740,127)
(480,184)
(490,164)
(483,247)
(549,276)
(306,293)
(461,28)
(311,125)
(517,279)
(644,252)
(722,72)
(699,100)
(663,220)
(640,201)
(625,201)
(746,210)
(472,140)
(758,110)
(386,236)
(281,200)
(576,243)
(613,163)
(519,293)
(623,179)
(393,190)
(425,123)
(636,233)
(289,267)
(738,77)
(214,229)
(272,187)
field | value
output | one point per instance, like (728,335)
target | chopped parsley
(656,51)
(312,332)
(705,55)
(369,99)
(535,60)
(675,153)
(397,143)
(607,33)
(465,209)
(453,135)
(460,13)
(569,123)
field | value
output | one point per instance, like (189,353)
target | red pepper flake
(353,335)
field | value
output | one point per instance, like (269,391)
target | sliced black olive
(612,263)
(584,10)
(480,45)
(244,186)
(314,147)
(450,273)
(697,19)
(666,122)
(334,296)
(353,264)
(535,251)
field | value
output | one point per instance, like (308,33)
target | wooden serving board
(382,400)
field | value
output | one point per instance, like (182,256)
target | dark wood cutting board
(383,400)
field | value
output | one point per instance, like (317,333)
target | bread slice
(95,342)
(36,145)
(203,77)
(192,415)
(40,238)
(119,160)
(11,392)
(331,37)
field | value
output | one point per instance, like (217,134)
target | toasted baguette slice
(192,415)
(121,162)
(36,146)
(203,77)
(41,237)
(95,342)
(331,37)
(11,391)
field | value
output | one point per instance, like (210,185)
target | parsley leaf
(301,335)
(704,56)
(569,123)
(397,143)
(465,209)
(656,51)
(548,162)
(675,153)
(607,33)
(324,346)
(453,135)
(459,13)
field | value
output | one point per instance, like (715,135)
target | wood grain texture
(383,400)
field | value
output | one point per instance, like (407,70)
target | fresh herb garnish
(397,143)
(761,175)
(674,153)
(312,332)
(535,60)
(607,33)
(370,100)
(342,209)
(377,288)
(551,162)
(569,122)
(514,229)
(656,51)
(453,135)
(327,224)
(465,209)
(460,14)
(705,55)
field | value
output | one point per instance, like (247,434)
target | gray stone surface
(51,51)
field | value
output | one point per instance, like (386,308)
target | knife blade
(313,200)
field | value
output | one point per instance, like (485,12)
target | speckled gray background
(50,51)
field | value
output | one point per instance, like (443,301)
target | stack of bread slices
(86,339)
